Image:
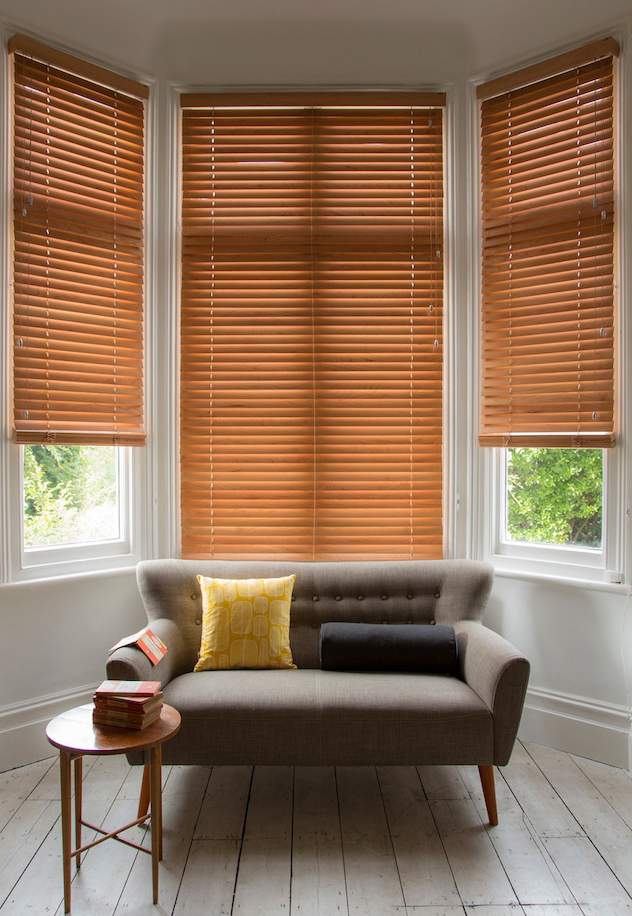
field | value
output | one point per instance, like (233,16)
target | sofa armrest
(499,674)
(131,664)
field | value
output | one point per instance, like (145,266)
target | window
(311,323)
(71,495)
(554,496)
(77,305)
(554,511)
(78,152)
(76,508)
(547,172)
(548,330)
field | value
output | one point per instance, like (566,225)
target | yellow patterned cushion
(246,623)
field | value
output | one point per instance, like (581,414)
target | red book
(137,724)
(138,705)
(137,713)
(128,689)
(147,641)
(121,717)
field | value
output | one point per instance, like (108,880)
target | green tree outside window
(555,496)
(70,494)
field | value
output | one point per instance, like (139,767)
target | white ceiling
(317,42)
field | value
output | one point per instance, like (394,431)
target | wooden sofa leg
(489,791)
(143,801)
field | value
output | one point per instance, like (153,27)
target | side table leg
(78,804)
(143,801)
(159,749)
(65,760)
(156,815)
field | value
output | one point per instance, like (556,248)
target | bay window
(549,315)
(77,306)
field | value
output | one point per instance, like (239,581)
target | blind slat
(557,67)
(95,76)
(249,101)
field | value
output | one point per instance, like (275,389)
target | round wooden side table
(75,735)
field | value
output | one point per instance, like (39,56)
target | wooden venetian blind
(547,263)
(312,302)
(78,159)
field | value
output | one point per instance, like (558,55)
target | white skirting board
(23,725)
(578,725)
(570,723)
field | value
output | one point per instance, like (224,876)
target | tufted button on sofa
(313,717)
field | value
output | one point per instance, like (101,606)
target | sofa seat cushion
(309,717)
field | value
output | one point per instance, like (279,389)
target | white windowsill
(501,572)
(620,588)
(46,577)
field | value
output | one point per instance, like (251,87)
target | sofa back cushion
(408,591)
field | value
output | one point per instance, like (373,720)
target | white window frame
(608,567)
(137,466)
(65,558)
(598,564)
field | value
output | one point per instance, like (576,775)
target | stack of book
(127,704)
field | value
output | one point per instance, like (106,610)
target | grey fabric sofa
(313,717)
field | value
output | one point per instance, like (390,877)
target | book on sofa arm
(145,640)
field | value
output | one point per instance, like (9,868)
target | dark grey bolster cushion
(420,648)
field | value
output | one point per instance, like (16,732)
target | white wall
(579,643)
(55,635)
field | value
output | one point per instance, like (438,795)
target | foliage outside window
(71,495)
(555,496)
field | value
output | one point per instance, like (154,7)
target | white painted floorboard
(320,841)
